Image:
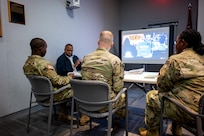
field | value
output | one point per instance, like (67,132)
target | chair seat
(97,114)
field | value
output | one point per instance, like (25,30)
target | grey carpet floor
(16,124)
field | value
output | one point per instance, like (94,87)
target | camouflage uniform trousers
(120,104)
(66,94)
(152,112)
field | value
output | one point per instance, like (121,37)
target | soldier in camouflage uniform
(37,65)
(104,66)
(181,77)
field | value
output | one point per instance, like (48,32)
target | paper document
(77,73)
(136,71)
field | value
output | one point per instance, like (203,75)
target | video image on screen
(145,46)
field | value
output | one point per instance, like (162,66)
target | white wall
(50,20)
(200,27)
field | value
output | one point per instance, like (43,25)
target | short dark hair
(37,43)
(69,44)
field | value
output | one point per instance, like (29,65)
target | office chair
(42,89)
(91,96)
(196,127)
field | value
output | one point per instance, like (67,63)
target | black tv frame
(171,45)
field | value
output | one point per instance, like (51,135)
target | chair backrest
(201,105)
(41,87)
(89,93)
(201,109)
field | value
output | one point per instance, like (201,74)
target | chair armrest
(93,103)
(61,89)
(52,93)
(180,105)
(119,94)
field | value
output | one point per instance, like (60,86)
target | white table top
(145,77)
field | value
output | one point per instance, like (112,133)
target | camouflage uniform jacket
(37,65)
(104,66)
(182,77)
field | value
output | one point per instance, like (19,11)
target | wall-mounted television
(146,46)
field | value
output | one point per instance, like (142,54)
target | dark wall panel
(137,14)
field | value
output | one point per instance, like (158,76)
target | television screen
(145,46)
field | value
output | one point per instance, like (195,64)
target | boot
(120,113)
(66,118)
(84,120)
(149,132)
(176,129)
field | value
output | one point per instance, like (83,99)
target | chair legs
(90,123)
(55,112)
(161,127)
(109,124)
(49,116)
(199,126)
(161,118)
(28,125)
(72,114)
(126,113)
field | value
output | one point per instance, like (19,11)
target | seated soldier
(37,65)
(104,66)
(182,78)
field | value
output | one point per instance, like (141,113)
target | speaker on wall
(71,4)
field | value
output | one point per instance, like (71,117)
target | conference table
(138,78)
(135,78)
(144,77)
